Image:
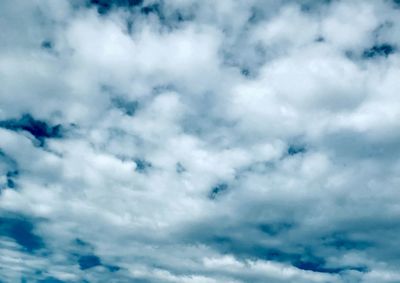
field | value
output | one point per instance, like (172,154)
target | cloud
(201,141)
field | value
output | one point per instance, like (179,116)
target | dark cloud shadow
(22,231)
(382,50)
(40,130)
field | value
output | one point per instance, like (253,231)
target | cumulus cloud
(199,141)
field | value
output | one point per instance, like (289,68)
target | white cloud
(202,141)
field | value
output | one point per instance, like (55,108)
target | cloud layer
(199,141)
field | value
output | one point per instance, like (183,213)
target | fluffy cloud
(199,141)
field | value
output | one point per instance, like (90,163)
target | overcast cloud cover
(199,141)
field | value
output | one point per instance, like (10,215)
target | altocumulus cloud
(199,141)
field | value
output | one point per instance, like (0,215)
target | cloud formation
(199,141)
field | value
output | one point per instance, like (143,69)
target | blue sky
(199,141)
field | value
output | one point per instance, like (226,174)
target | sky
(200,141)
